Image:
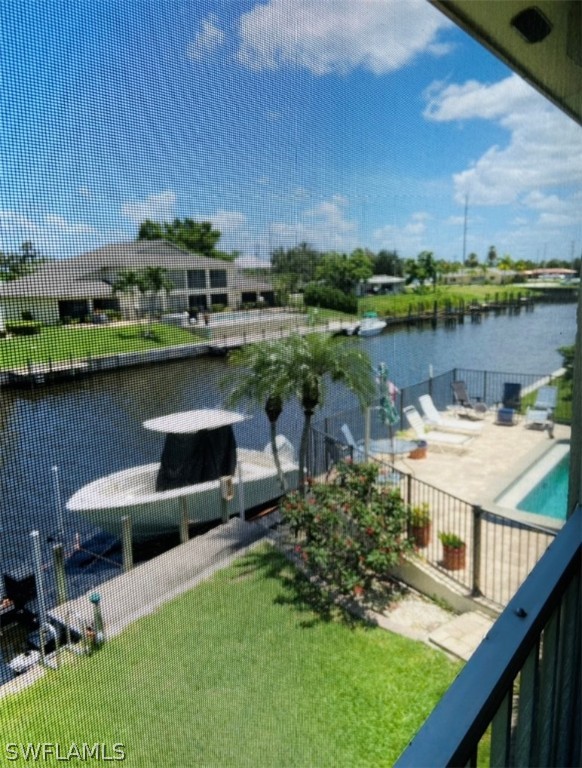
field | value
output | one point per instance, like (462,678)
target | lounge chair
(512,395)
(434,437)
(357,449)
(510,404)
(434,418)
(469,409)
(541,414)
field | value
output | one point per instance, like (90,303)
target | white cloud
(53,234)
(209,38)
(157,207)
(227,221)
(59,225)
(339,35)
(408,239)
(543,149)
(325,226)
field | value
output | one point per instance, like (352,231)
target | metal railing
(499,551)
(517,701)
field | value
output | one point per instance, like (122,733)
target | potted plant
(454,551)
(419,521)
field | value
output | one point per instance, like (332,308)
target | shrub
(451,540)
(24,328)
(316,295)
(420,515)
(217,307)
(350,532)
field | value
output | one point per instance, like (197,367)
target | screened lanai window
(291,150)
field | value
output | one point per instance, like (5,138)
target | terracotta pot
(421,535)
(454,558)
(420,451)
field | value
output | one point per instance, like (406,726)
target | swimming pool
(543,488)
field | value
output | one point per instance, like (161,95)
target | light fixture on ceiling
(532,25)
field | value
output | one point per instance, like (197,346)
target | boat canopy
(188,422)
(189,459)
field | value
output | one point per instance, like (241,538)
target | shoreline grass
(57,343)
(241,671)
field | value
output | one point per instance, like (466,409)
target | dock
(146,587)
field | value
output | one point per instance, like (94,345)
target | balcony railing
(518,700)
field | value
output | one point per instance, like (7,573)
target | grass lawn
(240,671)
(69,342)
(399,304)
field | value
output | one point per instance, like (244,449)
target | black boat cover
(188,459)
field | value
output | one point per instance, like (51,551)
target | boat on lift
(371,325)
(202,475)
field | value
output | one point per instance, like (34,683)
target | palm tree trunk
(276,459)
(303,449)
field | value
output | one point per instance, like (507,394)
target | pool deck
(490,462)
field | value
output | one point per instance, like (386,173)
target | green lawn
(398,305)
(65,342)
(240,672)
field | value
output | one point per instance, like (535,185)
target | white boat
(371,325)
(200,450)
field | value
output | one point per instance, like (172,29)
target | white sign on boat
(193,421)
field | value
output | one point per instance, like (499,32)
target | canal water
(56,439)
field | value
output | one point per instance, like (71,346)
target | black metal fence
(482,386)
(517,701)
(499,551)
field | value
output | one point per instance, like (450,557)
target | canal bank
(92,427)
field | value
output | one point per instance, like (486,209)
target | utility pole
(465,228)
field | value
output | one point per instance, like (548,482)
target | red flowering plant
(349,532)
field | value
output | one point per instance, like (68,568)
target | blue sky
(344,123)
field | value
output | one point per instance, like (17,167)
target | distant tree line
(322,275)
(20,263)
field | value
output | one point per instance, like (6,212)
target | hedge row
(324,296)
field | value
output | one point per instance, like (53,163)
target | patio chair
(510,404)
(434,438)
(434,418)
(469,409)
(357,449)
(512,395)
(541,414)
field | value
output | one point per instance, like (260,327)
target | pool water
(549,496)
(543,488)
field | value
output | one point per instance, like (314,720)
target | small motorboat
(371,325)
(202,474)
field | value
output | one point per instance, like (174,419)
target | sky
(342,123)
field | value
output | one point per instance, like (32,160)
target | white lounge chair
(434,438)
(541,414)
(357,448)
(434,418)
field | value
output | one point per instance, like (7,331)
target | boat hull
(131,492)
(372,328)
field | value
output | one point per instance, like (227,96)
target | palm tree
(312,358)
(265,382)
(150,280)
(298,366)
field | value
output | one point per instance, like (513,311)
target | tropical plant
(150,280)
(420,515)
(308,361)
(349,532)
(264,382)
(299,366)
(451,540)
